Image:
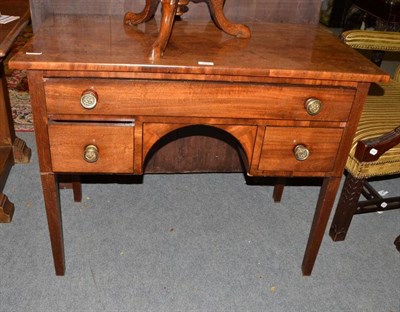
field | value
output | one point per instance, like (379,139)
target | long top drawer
(196,99)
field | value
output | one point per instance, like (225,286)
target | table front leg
(54,220)
(325,203)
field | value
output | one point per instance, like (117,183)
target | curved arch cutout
(157,135)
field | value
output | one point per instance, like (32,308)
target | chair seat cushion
(381,114)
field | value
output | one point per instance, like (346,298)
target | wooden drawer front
(114,143)
(279,144)
(198,99)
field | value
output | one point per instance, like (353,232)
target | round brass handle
(89,99)
(301,152)
(91,153)
(313,106)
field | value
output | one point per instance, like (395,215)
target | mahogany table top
(106,44)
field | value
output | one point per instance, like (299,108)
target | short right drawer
(298,149)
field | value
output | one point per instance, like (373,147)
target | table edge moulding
(101,105)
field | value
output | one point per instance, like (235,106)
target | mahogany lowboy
(100,106)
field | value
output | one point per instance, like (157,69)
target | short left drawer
(91,147)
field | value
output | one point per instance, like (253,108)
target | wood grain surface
(274,50)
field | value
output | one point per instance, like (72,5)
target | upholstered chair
(376,149)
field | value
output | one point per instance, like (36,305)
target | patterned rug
(18,87)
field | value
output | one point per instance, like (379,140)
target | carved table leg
(326,199)
(217,14)
(148,12)
(346,207)
(22,153)
(182,8)
(53,212)
(6,209)
(169,8)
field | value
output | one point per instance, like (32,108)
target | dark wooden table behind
(12,149)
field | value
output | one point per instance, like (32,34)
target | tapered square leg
(326,199)
(278,190)
(54,220)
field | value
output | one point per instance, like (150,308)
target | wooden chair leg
(397,243)
(346,208)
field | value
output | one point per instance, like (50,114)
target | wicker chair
(376,149)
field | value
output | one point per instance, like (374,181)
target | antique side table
(12,149)
(101,106)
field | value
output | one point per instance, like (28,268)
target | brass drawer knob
(301,152)
(91,153)
(89,99)
(313,106)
